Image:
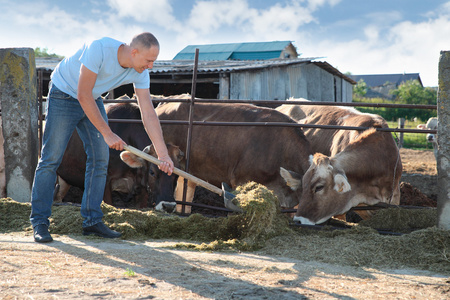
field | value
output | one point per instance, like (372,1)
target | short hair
(145,40)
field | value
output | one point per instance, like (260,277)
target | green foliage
(360,89)
(410,92)
(43,52)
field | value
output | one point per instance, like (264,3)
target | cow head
(432,124)
(160,185)
(325,191)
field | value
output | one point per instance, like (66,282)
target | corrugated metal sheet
(255,55)
(229,66)
(47,63)
(256,51)
(163,66)
(205,56)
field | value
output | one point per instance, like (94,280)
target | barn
(250,71)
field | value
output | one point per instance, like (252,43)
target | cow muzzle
(303,220)
(166,206)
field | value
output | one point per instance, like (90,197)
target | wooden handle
(177,171)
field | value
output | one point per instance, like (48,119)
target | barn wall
(280,83)
(313,82)
(327,90)
(297,82)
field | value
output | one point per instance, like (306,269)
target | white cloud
(280,21)
(158,12)
(208,16)
(406,47)
(238,21)
(315,4)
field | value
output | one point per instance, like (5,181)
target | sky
(355,36)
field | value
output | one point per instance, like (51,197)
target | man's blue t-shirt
(100,57)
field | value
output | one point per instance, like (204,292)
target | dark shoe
(101,230)
(41,234)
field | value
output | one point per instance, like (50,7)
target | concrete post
(20,120)
(443,158)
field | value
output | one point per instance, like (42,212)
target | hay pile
(425,249)
(262,227)
(401,219)
(260,220)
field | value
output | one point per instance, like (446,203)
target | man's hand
(114,141)
(167,165)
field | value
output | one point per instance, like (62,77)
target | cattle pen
(269,103)
(252,255)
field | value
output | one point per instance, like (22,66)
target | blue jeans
(64,115)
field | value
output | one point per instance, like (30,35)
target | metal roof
(47,63)
(375,80)
(216,66)
(173,66)
(227,66)
(255,51)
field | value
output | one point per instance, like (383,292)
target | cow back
(237,154)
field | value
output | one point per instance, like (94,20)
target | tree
(412,92)
(360,88)
(38,52)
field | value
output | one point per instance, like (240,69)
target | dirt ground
(74,266)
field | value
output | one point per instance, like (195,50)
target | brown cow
(351,167)
(330,141)
(236,155)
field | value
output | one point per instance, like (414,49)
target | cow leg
(107,195)
(62,191)
(189,194)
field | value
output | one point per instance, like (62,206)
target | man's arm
(85,86)
(153,128)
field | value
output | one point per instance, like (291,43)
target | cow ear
(150,150)
(292,179)
(131,160)
(421,126)
(341,184)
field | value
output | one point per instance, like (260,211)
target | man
(74,102)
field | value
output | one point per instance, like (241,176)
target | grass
(130,273)
(415,141)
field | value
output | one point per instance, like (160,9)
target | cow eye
(318,188)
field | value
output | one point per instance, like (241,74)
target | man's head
(145,50)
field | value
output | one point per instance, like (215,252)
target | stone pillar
(443,158)
(20,120)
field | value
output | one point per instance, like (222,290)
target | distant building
(380,85)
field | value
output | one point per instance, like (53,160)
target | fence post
(401,124)
(20,120)
(443,158)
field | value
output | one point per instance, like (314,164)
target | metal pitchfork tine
(224,192)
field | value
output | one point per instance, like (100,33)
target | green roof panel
(237,51)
